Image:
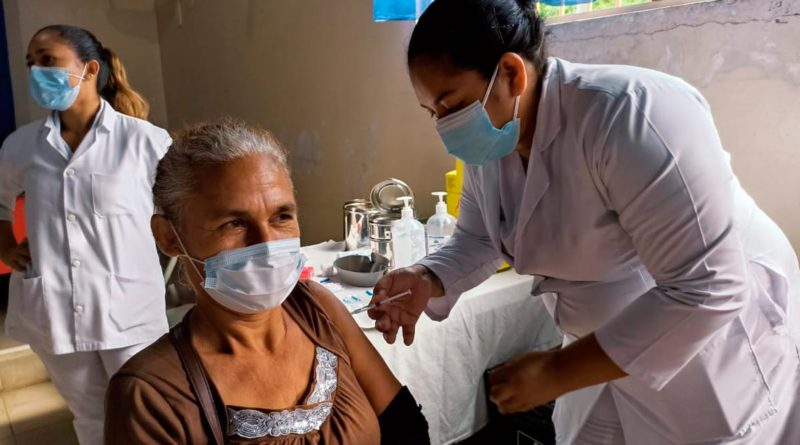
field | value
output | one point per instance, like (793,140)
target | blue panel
(385,10)
(6,97)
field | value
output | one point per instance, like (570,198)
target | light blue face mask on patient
(469,134)
(251,279)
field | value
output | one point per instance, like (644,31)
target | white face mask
(252,279)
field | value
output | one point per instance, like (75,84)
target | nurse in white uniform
(676,294)
(87,292)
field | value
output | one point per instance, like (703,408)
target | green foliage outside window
(555,11)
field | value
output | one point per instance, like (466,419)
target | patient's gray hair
(205,144)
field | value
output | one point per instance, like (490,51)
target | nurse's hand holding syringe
(405,312)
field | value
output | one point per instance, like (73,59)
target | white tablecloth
(444,367)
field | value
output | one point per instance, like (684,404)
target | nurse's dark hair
(112,80)
(474,34)
(212,144)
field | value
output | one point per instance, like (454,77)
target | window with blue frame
(557,8)
(388,10)
(564,2)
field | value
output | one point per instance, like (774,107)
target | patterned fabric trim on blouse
(325,377)
(254,424)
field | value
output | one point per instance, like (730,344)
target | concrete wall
(126,26)
(333,86)
(744,55)
(330,82)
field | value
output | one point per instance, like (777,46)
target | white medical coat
(95,281)
(640,233)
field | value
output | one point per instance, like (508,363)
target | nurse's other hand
(525,382)
(17,257)
(403,312)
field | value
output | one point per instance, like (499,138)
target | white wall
(126,26)
(330,82)
(744,55)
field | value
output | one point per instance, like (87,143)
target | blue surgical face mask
(469,134)
(252,279)
(50,87)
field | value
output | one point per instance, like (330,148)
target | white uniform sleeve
(11,182)
(467,260)
(668,178)
(165,144)
(161,144)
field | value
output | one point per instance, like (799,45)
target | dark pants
(4,279)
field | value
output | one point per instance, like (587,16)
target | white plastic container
(408,237)
(440,226)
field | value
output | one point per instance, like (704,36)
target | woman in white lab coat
(676,294)
(87,292)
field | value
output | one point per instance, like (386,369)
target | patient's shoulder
(326,302)
(158,365)
(325,315)
(150,400)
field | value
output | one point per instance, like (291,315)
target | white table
(444,367)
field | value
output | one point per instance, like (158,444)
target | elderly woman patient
(262,358)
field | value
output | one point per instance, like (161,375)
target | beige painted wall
(333,86)
(126,26)
(744,55)
(327,80)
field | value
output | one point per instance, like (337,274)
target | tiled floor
(5,342)
(35,415)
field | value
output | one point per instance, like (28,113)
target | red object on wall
(19,228)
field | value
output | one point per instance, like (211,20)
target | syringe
(374,305)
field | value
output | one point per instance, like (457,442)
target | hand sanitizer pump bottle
(440,226)
(408,237)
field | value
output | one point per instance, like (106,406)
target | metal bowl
(360,270)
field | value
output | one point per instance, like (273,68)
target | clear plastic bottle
(408,237)
(440,226)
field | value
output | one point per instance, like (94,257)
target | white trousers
(82,379)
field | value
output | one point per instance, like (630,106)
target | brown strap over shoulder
(181,341)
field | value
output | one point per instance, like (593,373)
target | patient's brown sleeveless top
(150,400)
